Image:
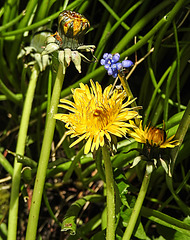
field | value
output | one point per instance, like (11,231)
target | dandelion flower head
(152,136)
(96,115)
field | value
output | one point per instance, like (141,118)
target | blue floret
(112,65)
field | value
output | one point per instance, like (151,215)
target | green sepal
(166,166)
(138,159)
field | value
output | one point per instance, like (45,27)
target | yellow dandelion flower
(152,136)
(96,116)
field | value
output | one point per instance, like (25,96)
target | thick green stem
(110,231)
(136,210)
(44,157)
(180,134)
(13,212)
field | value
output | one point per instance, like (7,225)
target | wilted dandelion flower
(34,51)
(96,116)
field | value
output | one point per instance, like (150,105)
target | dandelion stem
(44,157)
(14,200)
(180,134)
(137,208)
(110,231)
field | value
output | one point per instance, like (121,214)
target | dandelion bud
(72,27)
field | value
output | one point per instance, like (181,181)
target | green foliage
(155,36)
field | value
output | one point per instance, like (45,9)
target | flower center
(156,136)
(100,117)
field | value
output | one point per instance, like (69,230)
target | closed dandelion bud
(72,27)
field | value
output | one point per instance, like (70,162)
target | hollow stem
(180,134)
(136,210)
(44,157)
(110,231)
(13,212)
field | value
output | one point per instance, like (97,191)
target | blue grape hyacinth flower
(112,65)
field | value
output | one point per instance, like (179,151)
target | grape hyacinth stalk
(117,69)
(112,65)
